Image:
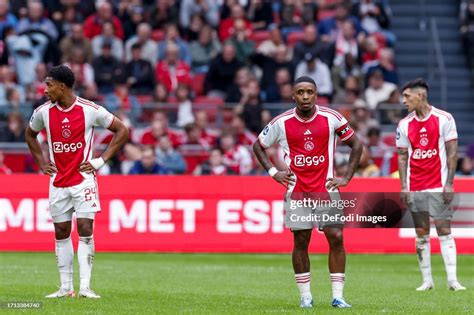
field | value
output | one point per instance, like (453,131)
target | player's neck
(423,111)
(67,101)
(306,115)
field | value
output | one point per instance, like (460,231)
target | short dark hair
(136,46)
(416,83)
(62,74)
(305,79)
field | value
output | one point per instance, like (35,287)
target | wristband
(97,163)
(272,171)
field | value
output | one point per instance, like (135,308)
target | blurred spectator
(36,90)
(243,135)
(466,14)
(309,11)
(350,93)
(222,71)
(290,21)
(465,167)
(361,119)
(94,23)
(244,47)
(168,157)
(147,164)
(236,90)
(83,71)
(76,40)
(37,21)
(201,119)
(160,93)
(260,14)
(7,82)
(341,163)
(7,19)
(185,107)
(250,106)
(204,50)
(285,93)
(371,51)
(367,167)
(206,8)
(374,17)
(214,166)
(312,44)
(65,18)
(15,129)
(227,25)
(318,71)
(269,46)
(172,37)
(194,136)
(389,116)
(378,90)
(122,100)
(348,69)
(133,16)
(5,170)
(163,13)
(236,157)
(374,142)
(159,127)
(148,47)
(139,72)
(131,154)
(107,35)
(386,64)
(14,99)
(107,69)
(192,32)
(346,44)
(171,71)
(329,28)
(274,93)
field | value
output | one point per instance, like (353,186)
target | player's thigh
(301,237)
(60,204)
(441,212)
(85,196)
(334,234)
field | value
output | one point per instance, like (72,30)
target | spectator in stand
(466,15)
(160,126)
(7,19)
(236,90)
(208,134)
(171,71)
(318,71)
(108,71)
(76,40)
(94,23)
(243,135)
(172,37)
(244,47)
(5,170)
(192,32)
(163,13)
(107,35)
(185,107)
(285,93)
(374,17)
(147,164)
(329,28)
(204,50)
(260,14)
(346,44)
(7,82)
(361,119)
(214,166)
(36,90)
(250,106)
(371,51)
(222,71)
(131,154)
(236,157)
(206,8)
(168,157)
(348,69)
(290,21)
(464,167)
(65,17)
(378,90)
(14,131)
(37,21)
(269,46)
(160,93)
(226,26)
(139,72)
(350,93)
(367,167)
(309,10)
(83,71)
(194,136)
(386,64)
(148,47)
(132,17)
(122,100)
(312,44)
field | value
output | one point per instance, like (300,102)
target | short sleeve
(449,130)
(36,121)
(402,138)
(104,118)
(269,134)
(343,130)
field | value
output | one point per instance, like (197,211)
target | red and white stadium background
(192,214)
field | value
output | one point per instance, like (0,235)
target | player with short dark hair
(69,122)
(427,156)
(307,135)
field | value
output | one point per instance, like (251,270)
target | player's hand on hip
(286,178)
(333,183)
(405,196)
(448,194)
(86,167)
(49,169)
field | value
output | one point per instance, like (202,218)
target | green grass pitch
(233,284)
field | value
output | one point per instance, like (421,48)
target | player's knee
(85,231)
(443,231)
(62,230)
(335,239)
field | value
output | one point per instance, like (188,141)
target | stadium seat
(143,99)
(157,35)
(206,100)
(259,36)
(324,14)
(294,37)
(197,83)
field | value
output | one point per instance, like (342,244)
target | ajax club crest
(308,138)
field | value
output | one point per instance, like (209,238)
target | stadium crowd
(193,79)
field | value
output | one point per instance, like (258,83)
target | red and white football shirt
(70,135)
(425,140)
(308,145)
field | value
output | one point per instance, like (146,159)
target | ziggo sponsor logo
(419,154)
(59,147)
(301,160)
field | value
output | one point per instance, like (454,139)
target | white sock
(64,260)
(423,251)
(85,256)
(448,250)
(303,281)
(337,282)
